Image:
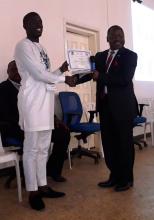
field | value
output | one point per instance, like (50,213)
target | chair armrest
(141,108)
(12,148)
(92,112)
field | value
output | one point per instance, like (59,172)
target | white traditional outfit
(36,108)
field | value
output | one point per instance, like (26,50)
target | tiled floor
(84,200)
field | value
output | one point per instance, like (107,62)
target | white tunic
(36,94)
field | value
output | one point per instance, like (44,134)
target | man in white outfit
(36,108)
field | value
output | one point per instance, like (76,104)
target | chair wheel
(7,185)
(140,147)
(98,156)
(96,160)
(79,156)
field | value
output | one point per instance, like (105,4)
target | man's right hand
(71,81)
(95,75)
(64,67)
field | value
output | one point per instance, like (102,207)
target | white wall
(88,13)
(119,12)
(98,14)
(145,89)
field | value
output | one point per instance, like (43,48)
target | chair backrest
(139,120)
(71,107)
(1,146)
(148,111)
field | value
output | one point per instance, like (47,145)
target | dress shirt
(113,52)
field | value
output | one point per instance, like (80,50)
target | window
(143,41)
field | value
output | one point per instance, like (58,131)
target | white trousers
(36,147)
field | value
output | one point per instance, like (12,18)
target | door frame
(92,34)
(94,41)
(94,46)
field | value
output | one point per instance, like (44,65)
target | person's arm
(82,78)
(125,75)
(24,54)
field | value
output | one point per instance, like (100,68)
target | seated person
(9,118)
(9,111)
(60,139)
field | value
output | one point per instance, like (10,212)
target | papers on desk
(79,61)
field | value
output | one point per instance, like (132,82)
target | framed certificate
(79,61)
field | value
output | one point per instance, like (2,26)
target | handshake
(75,79)
(71,80)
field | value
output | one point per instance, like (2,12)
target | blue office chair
(140,121)
(72,113)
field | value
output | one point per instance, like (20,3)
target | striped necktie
(108,61)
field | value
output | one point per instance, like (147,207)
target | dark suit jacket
(118,81)
(9,111)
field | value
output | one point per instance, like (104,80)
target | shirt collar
(111,51)
(15,84)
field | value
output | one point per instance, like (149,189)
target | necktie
(107,65)
(109,59)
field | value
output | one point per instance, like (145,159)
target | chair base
(138,143)
(80,151)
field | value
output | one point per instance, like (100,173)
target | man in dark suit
(117,108)
(9,118)
(9,111)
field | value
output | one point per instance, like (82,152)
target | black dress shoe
(59,178)
(36,202)
(107,184)
(50,193)
(131,183)
(122,187)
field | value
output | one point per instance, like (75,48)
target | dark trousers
(60,138)
(117,141)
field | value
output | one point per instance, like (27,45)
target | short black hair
(13,62)
(28,17)
(114,27)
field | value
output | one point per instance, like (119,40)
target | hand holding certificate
(79,61)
